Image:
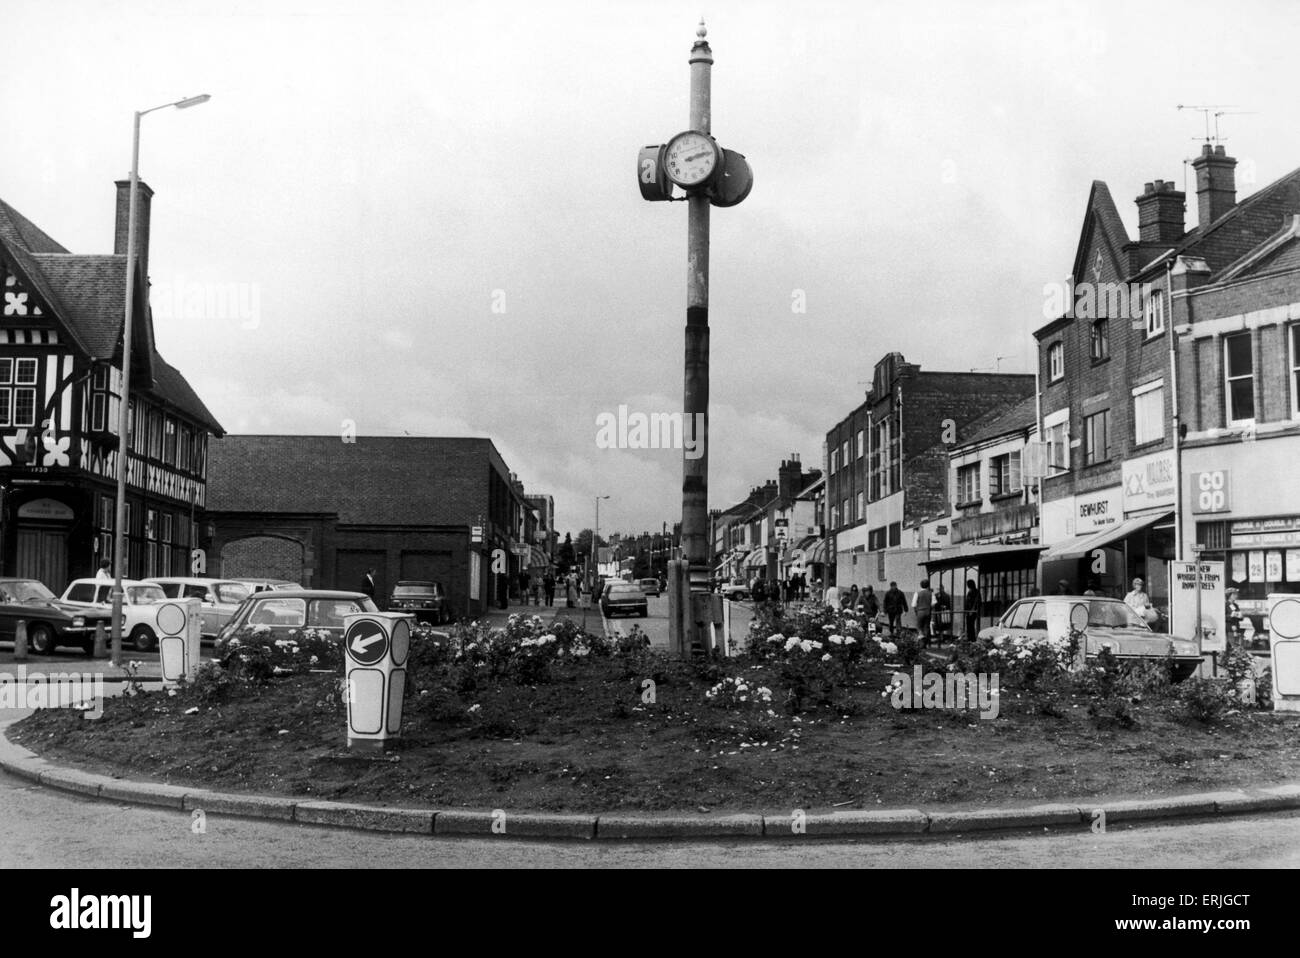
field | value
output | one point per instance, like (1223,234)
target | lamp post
(124,404)
(595,537)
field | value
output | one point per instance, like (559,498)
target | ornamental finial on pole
(701,31)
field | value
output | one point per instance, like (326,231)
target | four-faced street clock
(693,162)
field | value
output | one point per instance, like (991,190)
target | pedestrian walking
(870,604)
(849,603)
(368,583)
(972,609)
(571,591)
(942,614)
(1233,616)
(895,606)
(104,574)
(923,604)
(548,586)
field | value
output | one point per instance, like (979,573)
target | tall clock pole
(695,471)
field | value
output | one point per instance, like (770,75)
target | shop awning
(757,559)
(815,552)
(1080,546)
(969,551)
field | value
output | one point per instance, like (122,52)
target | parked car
(219,598)
(1110,622)
(623,598)
(286,611)
(139,607)
(736,588)
(649,586)
(262,585)
(50,621)
(423,598)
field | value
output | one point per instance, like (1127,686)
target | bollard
(101,640)
(20,641)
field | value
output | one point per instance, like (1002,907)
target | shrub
(255,655)
(1207,700)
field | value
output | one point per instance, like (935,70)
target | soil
(586,741)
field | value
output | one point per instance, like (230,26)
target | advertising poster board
(1182,601)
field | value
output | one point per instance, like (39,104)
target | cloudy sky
(429,215)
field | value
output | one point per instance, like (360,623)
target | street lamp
(595,537)
(124,405)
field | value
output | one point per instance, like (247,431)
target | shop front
(1003,574)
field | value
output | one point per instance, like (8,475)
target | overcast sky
(380,180)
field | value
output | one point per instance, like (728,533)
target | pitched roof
(20,230)
(87,295)
(377,480)
(1023,415)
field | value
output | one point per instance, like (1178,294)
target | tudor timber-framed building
(61,318)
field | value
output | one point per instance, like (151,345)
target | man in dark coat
(368,583)
(548,584)
(895,606)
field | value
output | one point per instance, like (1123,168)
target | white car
(219,598)
(139,607)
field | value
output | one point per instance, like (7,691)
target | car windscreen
(1114,615)
(25,590)
(142,594)
(230,593)
(282,613)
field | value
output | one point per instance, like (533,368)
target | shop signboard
(1150,481)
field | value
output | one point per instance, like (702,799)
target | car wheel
(40,638)
(143,638)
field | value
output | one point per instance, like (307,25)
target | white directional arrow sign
(359,645)
(366,641)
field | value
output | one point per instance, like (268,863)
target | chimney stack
(1160,213)
(143,200)
(1216,186)
(790,477)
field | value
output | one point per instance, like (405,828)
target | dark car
(285,612)
(649,586)
(623,598)
(423,599)
(50,623)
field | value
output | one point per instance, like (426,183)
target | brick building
(320,511)
(61,319)
(887,466)
(1108,371)
(994,534)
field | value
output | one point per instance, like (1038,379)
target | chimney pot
(1216,187)
(1160,213)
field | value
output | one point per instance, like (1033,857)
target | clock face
(691,158)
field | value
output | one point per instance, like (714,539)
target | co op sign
(1210,492)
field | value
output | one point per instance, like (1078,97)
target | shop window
(1212,536)
(1239,371)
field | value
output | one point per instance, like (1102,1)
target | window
(876,539)
(81,592)
(1100,340)
(1239,368)
(1004,474)
(1149,413)
(138,425)
(844,453)
(862,512)
(1020,616)
(1295,372)
(1056,361)
(183,460)
(18,404)
(834,459)
(873,472)
(169,441)
(1096,428)
(881,485)
(895,533)
(155,434)
(166,537)
(862,443)
(968,483)
(835,516)
(847,512)
(99,406)
(1155,312)
(1056,429)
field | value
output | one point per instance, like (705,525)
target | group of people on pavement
(933,609)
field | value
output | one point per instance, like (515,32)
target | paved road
(655,624)
(44,828)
